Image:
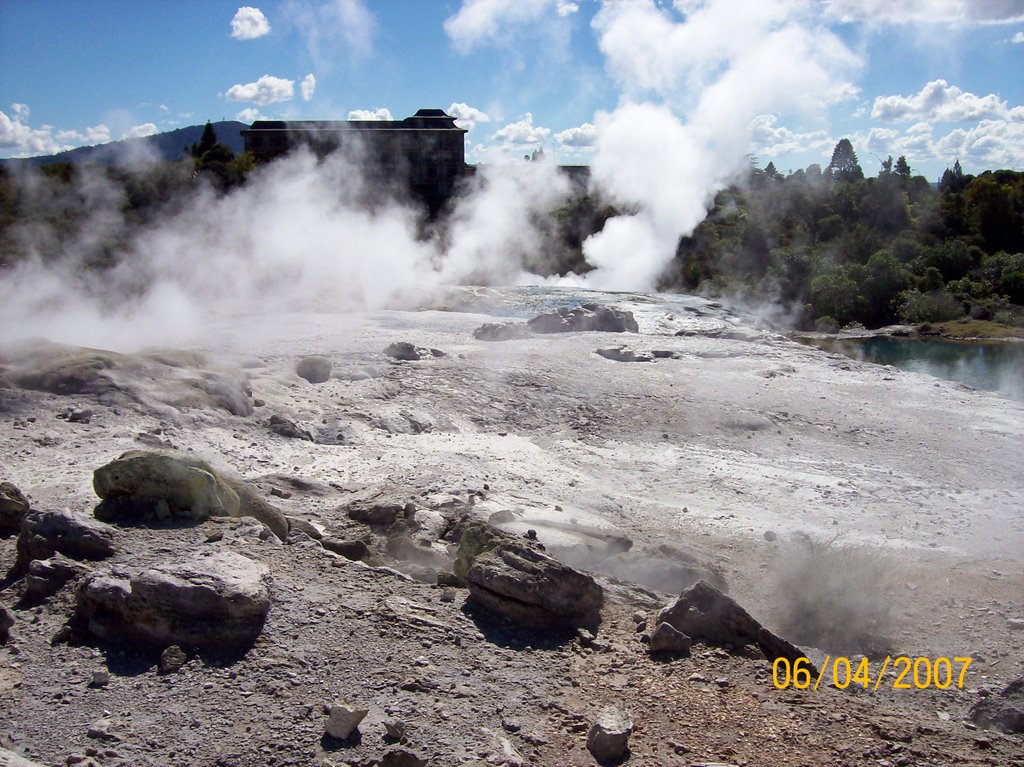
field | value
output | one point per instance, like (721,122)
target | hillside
(165,146)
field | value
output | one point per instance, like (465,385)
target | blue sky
(935,80)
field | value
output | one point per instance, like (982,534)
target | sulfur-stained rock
(13,508)
(148,486)
(533,589)
(218,601)
(477,537)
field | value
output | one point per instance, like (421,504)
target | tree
(206,142)
(953,180)
(902,167)
(844,165)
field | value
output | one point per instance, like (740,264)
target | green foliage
(935,306)
(844,165)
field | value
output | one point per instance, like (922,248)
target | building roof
(424,119)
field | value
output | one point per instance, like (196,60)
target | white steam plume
(691,87)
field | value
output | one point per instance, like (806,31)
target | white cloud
(521,133)
(466,116)
(308,87)
(330,26)
(581,137)
(938,101)
(478,21)
(19,139)
(382,113)
(249,115)
(1017,38)
(771,140)
(267,90)
(141,131)
(249,23)
(956,12)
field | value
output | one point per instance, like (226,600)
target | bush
(826,325)
(935,306)
(835,597)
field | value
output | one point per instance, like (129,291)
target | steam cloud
(298,237)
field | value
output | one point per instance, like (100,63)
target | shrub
(935,306)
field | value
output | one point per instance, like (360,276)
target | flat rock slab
(533,589)
(212,602)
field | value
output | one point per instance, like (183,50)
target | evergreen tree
(902,167)
(206,142)
(844,165)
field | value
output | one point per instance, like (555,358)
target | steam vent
(426,151)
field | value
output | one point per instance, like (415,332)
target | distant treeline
(829,246)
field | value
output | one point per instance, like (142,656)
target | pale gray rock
(667,639)
(507,331)
(624,354)
(533,589)
(608,737)
(314,368)
(344,719)
(147,486)
(13,508)
(219,601)
(45,533)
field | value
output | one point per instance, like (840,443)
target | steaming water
(993,366)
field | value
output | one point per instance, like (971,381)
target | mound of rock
(586,317)
(403,350)
(506,331)
(476,538)
(1003,712)
(707,615)
(148,486)
(45,533)
(212,602)
(534,590)
(13,508)
(46,577)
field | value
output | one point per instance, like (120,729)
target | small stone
(1016,624)
(770,535)
(80,415)
(448,595)
(172,659)
(394,729)
(722,682)
(100,678)
(608,737)
(343,720)
(400,757)
(102,729)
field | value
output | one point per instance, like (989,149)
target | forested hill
(167,146)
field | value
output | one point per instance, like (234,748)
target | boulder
(13,508)
(608,737)
(508,331)
(380,515)
(403,350)
(343,720)
(47,576)
(314,368)
(11,759)
(707,615)
(355,550)
(219,601)
(401,757)
(667,639)
(586,317)
(1003,712)
(533,589)
(146,486)
(6,622)
(45,533)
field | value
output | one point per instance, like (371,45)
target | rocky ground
(849,508)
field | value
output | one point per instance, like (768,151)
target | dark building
(427,151)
